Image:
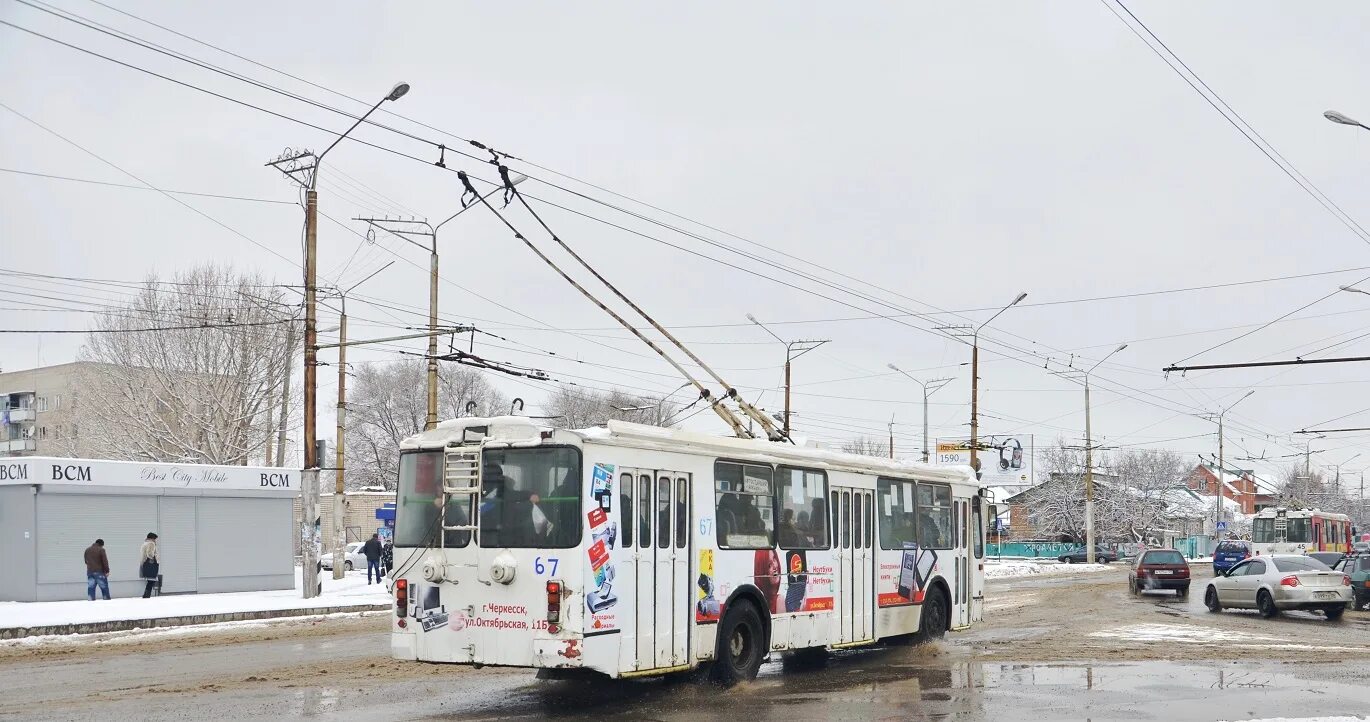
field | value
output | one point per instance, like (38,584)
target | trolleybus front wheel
(933,622)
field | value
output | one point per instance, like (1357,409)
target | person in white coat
(149,563)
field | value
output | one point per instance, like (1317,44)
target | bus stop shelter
(220,528)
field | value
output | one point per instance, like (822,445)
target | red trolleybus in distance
(1299,531)
(639,551)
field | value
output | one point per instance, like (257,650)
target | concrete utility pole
(891,436)
(1218,495)
(1089,464)
(304,169)
(930,387)
(403,229)
(339,491)
(803,347)
(975,385)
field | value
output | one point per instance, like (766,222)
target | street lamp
(310,475)
(423,228)
(929,387)
(1089,464)
(975,385)
(1218,495)
(790,346)
(1336,117)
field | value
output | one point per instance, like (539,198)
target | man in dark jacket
(372,549)
(97,569)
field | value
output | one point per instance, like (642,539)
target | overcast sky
(954,154)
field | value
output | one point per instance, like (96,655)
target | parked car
(352,558)
(1228,553)
(1079,556)
(1279,582)
(1159,569)
(1331,559)
(1358,569)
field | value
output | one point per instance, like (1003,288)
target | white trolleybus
(640,551)
(1299,531)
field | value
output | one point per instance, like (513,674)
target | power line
(115,166)
(1284,165)
(158,328)
(597,201)
(144,188)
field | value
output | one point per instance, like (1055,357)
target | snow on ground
(1192,634)
(139,634)
(1004,570)
(350,591)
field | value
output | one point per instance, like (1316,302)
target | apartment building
(39,415)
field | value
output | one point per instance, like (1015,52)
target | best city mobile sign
(101,472)
(1004,460)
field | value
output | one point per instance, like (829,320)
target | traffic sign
(1222,526)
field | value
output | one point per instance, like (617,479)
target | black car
(1079,556)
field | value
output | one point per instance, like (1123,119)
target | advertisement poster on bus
(906,583)
(807,588)
(601,599)
(1004,460)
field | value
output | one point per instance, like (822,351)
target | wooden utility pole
(309,487)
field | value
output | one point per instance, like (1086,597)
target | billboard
(1004,460)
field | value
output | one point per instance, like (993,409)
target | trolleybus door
(657,505)
(852,537)
(670,531)
(961,597)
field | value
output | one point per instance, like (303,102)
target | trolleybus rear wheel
(741,644)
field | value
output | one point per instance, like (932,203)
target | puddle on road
(909,684)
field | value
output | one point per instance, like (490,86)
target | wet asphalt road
(342,677)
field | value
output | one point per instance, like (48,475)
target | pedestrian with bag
(373,550)
(150,565)
(97,569)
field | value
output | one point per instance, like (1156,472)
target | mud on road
(1043,640)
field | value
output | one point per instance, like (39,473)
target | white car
(352,558)
(1276,582)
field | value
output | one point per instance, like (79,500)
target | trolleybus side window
(980,530)
(935,530)
(663,512)
(870,522)
(682,512)
(894,509)
(531,497)
(417,519)
(745,498)
(802,495)
(644,511)
(625,482)
(846,520)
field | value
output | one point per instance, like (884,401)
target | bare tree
(187,370)
(577,407)
(389,402)
(1151,482)
(867,446)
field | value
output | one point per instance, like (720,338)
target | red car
(1159,569)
